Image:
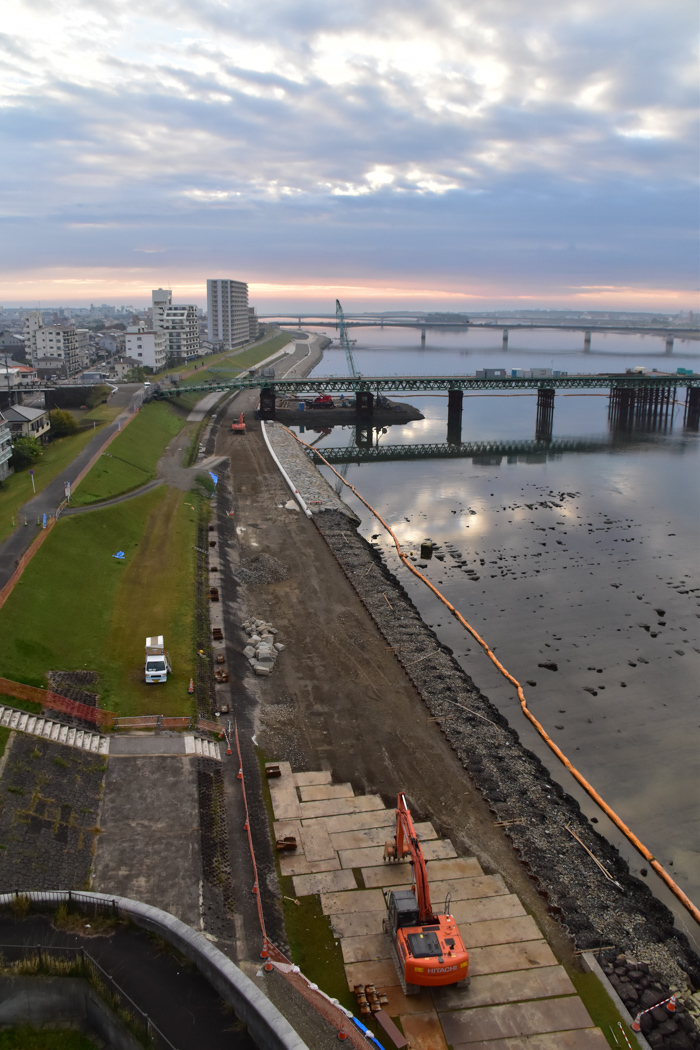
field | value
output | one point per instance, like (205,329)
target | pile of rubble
(262,649)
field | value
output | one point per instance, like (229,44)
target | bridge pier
(364,404)
(545,414)
(422,337)
(505,339)
(586,342)
(645,408)
(691,416)
(267,403)
(669,343)
(364,435)
(455,399)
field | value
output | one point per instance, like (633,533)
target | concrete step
(201,748)
(56,732)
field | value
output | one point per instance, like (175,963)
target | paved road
(45,502)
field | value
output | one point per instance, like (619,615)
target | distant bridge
(412,321)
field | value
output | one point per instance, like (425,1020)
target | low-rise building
(5,448)
(24,421)
(146,345)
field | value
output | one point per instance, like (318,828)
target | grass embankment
(77,607)
(132,458)
(16,490)
(26,1038)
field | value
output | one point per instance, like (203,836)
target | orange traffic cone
(636,1024)
(671,1005)
(342,1034)
(191,688)
(240,768)
(230,752)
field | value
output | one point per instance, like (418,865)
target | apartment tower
(227,307)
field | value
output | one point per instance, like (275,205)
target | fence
(104,719)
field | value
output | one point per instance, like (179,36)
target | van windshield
(155,665)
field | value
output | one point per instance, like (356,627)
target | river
(584,560)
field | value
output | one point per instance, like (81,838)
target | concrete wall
(61,1001)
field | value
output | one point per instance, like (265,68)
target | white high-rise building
(227,308)
(181,330)
(62,349)
(161,298)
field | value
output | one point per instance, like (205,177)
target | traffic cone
(636,1024)
(240,768)
(342,1034)
(191,687)
(671,1005)
(264,954)
(230,752)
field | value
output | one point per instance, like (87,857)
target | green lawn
(17,489)
(26,1038)
(77,607)
(132,458)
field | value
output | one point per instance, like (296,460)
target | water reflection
(581,551)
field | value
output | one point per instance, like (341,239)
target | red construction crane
(428,949)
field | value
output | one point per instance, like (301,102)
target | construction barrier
(580,779)
(330,1009)
(47,698)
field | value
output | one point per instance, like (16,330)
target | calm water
(588,559)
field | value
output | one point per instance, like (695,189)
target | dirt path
(337,699)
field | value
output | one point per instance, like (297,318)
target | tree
(25,451)
(62,423)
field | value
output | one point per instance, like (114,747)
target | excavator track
(407,989)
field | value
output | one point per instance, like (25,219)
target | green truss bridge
(472,450)
(395,384)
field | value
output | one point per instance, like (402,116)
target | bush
(97,395)
(62,423)
(25,451)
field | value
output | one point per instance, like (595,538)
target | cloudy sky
(435,153)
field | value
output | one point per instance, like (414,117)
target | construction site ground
(337,702)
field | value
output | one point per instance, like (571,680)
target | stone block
(329,807)
(317,843)
(317,792)
(459,868)
(297,864)
(499,931)
(357,923)
(363,949)
(360,900)
(504,906)
(376,818)
(485,1023)
(321,776)
(423,1031)
(467,889)
(494,989)
(505,958)
(324,882)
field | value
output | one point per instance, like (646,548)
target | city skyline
(417,156)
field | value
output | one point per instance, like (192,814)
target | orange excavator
(239,427)
(427,946)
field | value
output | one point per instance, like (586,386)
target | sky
(422,153)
